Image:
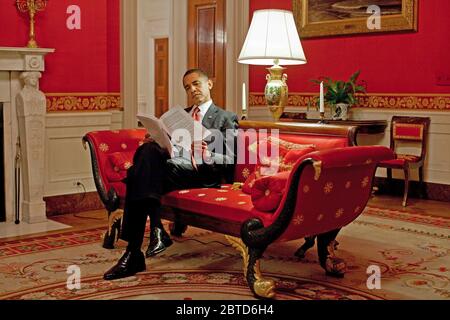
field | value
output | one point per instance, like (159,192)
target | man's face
(197,88)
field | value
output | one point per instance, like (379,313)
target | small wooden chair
(407,129)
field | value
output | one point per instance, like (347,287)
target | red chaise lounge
(325,190)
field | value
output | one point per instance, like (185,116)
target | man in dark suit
(155,172)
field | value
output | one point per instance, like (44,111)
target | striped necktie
(195,113)
(196,117)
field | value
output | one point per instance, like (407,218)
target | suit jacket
(144,183)
(225,123)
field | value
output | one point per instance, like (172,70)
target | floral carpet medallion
(411,251)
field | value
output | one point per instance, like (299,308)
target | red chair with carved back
(407,132)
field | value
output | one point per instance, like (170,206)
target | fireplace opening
(2,170)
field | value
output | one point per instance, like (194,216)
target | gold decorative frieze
(60,102)
(380,101)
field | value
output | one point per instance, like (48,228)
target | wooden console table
(364,126)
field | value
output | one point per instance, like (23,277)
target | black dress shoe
(128,265)
(159,241)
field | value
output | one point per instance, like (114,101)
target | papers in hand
(156,131)
(176,124)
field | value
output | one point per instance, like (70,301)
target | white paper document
(175,124)
(156,131)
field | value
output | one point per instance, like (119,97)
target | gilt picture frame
(322,18)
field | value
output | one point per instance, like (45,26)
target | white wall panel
(67,162)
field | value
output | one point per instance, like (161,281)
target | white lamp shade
(272,35)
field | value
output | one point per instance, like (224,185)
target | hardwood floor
(98,218)
(77,221)
(425,207)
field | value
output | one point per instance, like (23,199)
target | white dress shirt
(203,109)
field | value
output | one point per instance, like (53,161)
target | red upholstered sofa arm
(327,190)
(354,156)
(111,153)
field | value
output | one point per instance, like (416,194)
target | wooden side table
(364,126)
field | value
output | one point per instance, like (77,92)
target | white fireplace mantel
(23,59)
(24,112)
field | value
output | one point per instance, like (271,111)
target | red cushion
(393,162)
(319,142)
(399,161)
(242,171)
(224,203)
(121,160)
(267,191)
(245,165)
(248,184)
(283,163)
(408,157)
(119,164)
(271,143)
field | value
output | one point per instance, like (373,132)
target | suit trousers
(153,174)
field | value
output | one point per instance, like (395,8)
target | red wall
(113,32)
(389,63)
(85,60)
(88,60)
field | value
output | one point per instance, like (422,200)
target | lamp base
(276,112)
(276,91)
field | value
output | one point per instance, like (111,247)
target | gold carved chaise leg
(262,288)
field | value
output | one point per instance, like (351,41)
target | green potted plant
(340,95)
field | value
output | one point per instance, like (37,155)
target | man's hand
(200,149)
(147,138)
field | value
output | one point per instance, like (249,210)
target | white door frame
(237,12)
(128,62)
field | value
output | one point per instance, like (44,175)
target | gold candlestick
(32,7)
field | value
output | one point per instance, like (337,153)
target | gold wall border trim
(65,102)
(439,102)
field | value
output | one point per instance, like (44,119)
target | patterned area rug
(410,250)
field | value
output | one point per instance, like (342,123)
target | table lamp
(272,39)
